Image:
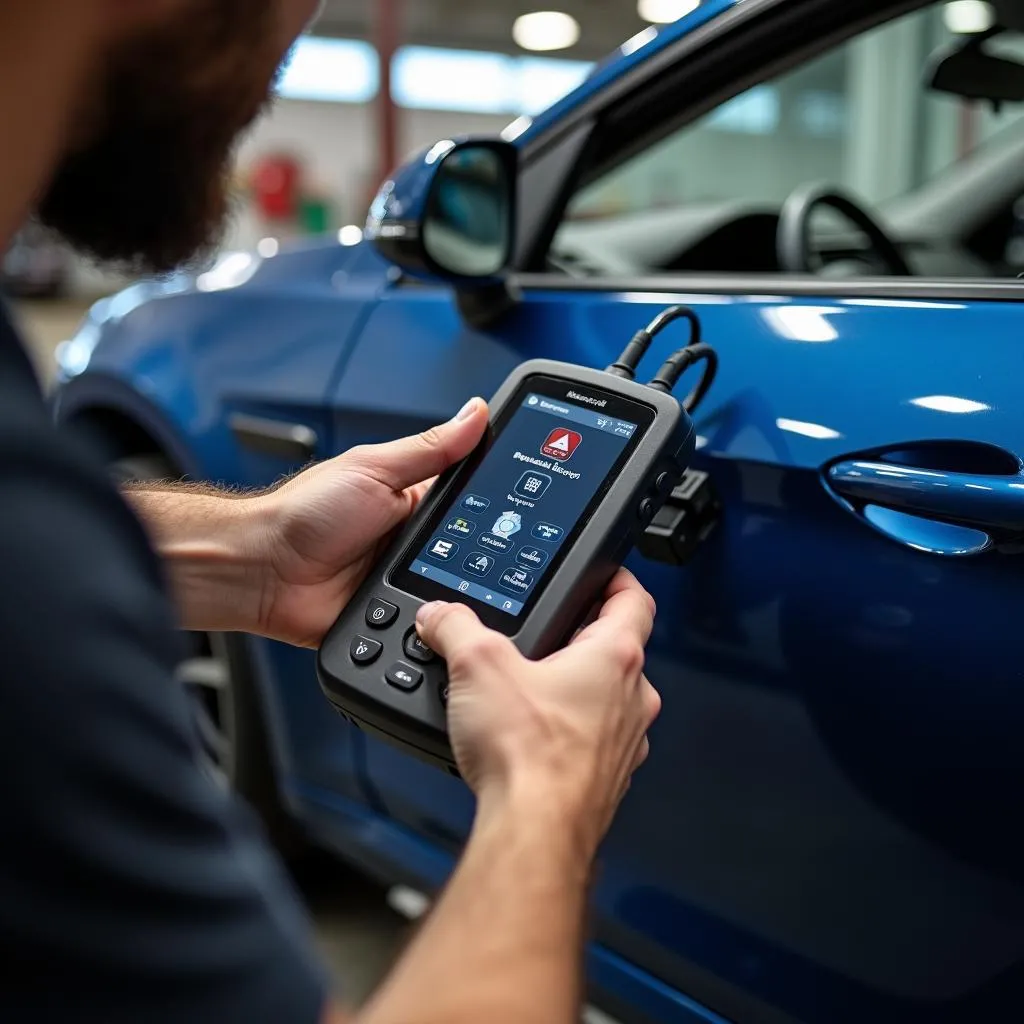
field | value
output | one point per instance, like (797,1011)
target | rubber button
(365,651)
(443,694)
(665,483)
(380,614)
(416,649)
(404,677)
(646,510)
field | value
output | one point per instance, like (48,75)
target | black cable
(700,392)
(670,315)
(627,363)
(678,363)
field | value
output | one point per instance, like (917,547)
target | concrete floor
(359,934)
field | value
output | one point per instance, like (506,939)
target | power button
(646,511)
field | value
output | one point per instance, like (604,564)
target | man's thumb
(411,460)
(457,635)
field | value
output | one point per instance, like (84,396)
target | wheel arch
(114,414)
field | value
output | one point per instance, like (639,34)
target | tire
(230,716)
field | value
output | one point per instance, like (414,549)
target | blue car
(829,830)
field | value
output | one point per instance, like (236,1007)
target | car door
(827,829)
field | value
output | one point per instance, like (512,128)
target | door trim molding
(782,286)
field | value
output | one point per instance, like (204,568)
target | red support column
(967,129)
(387,31)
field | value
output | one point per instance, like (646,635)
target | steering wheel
(796,253)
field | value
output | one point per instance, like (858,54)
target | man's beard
(150,188)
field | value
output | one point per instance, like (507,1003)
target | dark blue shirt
(132,888)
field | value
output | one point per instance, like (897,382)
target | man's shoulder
(109,800)
(21,393)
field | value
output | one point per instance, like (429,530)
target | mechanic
(132,887)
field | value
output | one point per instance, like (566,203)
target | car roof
(634,52)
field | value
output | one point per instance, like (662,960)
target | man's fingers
(652,702)
(411,460)
(625,582)
(642,754)
(458,636)
(628,611)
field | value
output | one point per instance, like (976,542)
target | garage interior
(373,82)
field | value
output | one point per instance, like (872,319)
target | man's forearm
(210,543)
(504,943)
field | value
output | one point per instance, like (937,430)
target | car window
(941,176)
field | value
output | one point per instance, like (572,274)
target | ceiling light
(333,70)
(546,30)
(968,16)
(662,12)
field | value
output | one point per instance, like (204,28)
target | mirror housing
(449,213)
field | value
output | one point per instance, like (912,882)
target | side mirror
(450,212)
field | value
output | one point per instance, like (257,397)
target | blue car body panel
(775,647)
(826,832)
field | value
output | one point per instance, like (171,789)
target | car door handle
(291,442)
(991,502)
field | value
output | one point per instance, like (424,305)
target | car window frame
(744,46)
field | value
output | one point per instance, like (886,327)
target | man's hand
(329,525)
(285,563)
(549,748)
(571,728)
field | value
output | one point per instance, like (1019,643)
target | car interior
(772,181)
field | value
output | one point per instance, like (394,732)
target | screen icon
(561,444)
(508,524)
(443,550)
(533,400)
(517,580)
(478,564)
(464,586)
(494,541)
(474,504)
(533,485)
(507,606)
(532,557)
(548,533)
(460,527)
